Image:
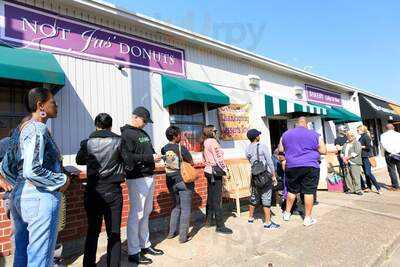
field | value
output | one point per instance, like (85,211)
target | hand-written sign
(40,29)
(234,121)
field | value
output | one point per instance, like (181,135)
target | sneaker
(379,192)
(271,225)
(359,193)
(286,216)
(223,230)
(250,220)
(308,221)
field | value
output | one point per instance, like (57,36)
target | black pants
(182,196)
(392,164)
(107,204)
(214,200)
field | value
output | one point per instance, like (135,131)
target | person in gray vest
(351,155)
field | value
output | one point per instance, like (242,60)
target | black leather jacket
(102,155)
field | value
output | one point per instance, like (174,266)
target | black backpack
(260,176)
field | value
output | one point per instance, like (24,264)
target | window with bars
(190,118)
(12,108)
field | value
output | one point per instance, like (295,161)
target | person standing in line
(259,152)
(103,193)
(36,195)
(215,170)
(303,148)
(139,158)
(340,140)
(4,184)
(181,192)
(352,159)
(366,153)
(390,141)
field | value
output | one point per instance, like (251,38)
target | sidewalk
(351,231)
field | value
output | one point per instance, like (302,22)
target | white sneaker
(308,221)
(286,216)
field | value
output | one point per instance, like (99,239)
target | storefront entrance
(276,128)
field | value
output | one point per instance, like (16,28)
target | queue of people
(32,170)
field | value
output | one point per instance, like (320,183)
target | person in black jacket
(103,195)
(366,153)
(139,159)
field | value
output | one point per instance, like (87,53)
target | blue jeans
(369,177)
(35,216)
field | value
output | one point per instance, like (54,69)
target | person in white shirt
(391,145)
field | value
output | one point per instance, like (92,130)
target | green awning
(276,107)
(178,89)
(30,65)
(347,116)
(339,115)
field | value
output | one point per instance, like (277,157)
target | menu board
(234,121)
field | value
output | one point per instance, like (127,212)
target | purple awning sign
(44,30)
(321,96)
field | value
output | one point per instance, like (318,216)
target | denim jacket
(41,157)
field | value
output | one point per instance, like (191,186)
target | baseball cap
(143,113)
(253,133)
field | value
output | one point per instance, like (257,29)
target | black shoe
(152,251)
(359,193)
(223,230)
(138,258)
(171,236)
(210,222)
(185,240)
(315,203)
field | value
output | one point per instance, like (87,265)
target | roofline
(204,40)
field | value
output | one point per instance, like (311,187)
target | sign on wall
(234,121)
(44,30)
(321,96)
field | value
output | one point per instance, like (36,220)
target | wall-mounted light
(119,66)
(299,92)
(254,81)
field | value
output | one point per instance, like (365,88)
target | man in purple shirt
(302,148)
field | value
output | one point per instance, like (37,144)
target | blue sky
(354,42)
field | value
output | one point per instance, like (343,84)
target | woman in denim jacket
(36,195)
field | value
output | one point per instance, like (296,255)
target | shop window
(190,118)
(12,109)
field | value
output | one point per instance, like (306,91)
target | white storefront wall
(94,87)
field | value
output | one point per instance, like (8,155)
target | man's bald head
(389,127)
(302,121)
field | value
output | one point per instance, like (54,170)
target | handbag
(372,161)
(217,171)
(395,156)
(260,176)
(188,172)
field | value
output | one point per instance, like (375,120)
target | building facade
(113,61)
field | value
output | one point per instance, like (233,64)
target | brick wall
(76,216)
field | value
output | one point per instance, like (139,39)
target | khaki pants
(353,181)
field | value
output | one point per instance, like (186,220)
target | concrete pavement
(351,231)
